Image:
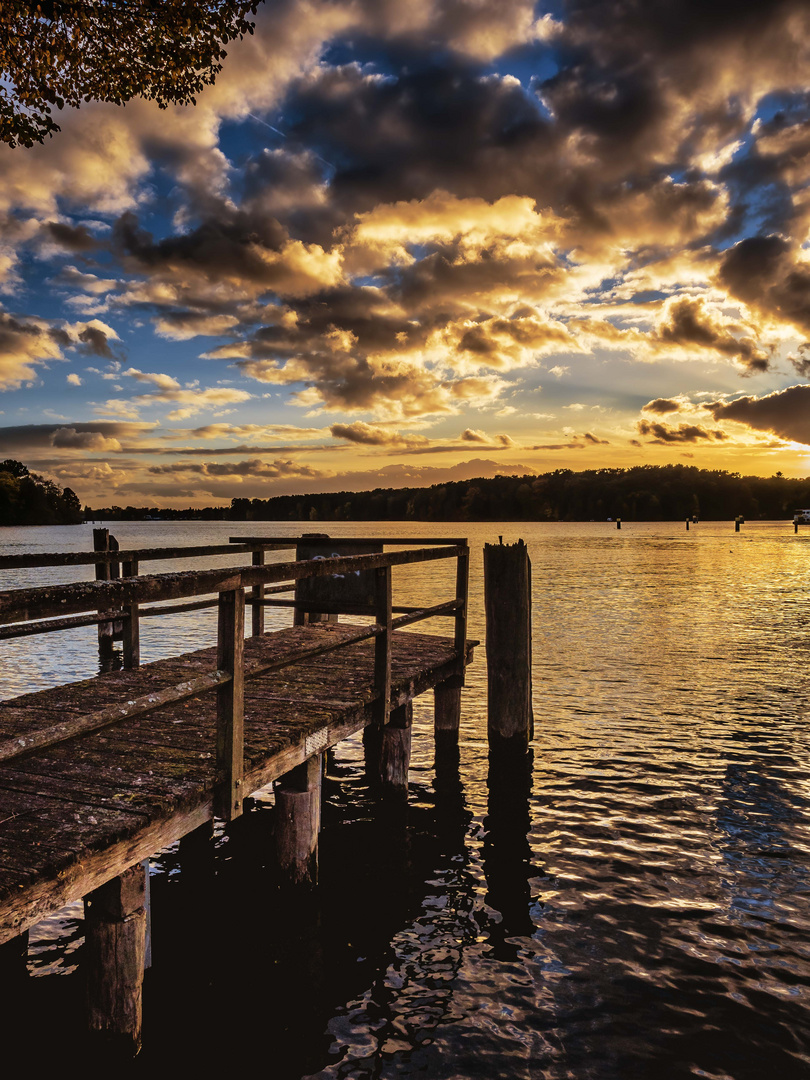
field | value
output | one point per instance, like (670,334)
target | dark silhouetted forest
(29,499)
(644,493)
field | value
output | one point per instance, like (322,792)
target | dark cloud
(764,271)
(662,406)
(371,435)
(254,467)
(691,322)
(588,437)
(74,238)
(423,127)
(228,246)
(27,437)
(785,413)
(96,342)
(684,433)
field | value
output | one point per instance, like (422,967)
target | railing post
(131,628)
(231,698)
(462,594)
(382,645)
(106,630)
(257,595)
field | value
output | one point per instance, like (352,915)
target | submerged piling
(115,947)
(507,600)
(298,822)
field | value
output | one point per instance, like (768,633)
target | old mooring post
(298,821)
(115,944)
(507,600)
(395,751)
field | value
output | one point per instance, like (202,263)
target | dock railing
(52,608)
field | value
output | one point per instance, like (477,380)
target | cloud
(772,276)
(23,345)
(474,436)
(662,406)
(684,433)
(371,435)
(785,413)
(236,470)
(74,379)
(163,382)
(97,434)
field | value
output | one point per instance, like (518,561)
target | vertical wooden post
(131,627)
(257,595)
(231,699)
(462,592)
(382,646)
(687,524)
(298,822)
(302,618)
(106,630)
(395,752)
(115,941)
(507,600)
(618,523)
(736,524)
(447,710)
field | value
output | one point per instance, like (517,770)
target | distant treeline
(28,499)
(643,493)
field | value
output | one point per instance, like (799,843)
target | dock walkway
(76,813)
(99,775)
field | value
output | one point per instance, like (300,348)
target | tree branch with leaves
(55,55)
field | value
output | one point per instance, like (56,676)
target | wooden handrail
(42,602)
(121,597)
(88,558)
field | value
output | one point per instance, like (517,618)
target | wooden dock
(98,775)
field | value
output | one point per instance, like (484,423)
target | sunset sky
(400,243)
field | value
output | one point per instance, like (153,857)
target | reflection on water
(635,903)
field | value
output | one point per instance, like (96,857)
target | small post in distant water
(507,600)
(736,524)
(687,524)
(618,523)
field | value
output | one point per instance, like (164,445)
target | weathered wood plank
(20,605)
(154,777)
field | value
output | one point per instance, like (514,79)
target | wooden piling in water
(446,723)
(298,822)
(395,751)
(115,945)
(507,601)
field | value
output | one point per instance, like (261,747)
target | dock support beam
(507,600)
(446,721)
(298,822)
(395,751)
(115,945)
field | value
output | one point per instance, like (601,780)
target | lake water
(636,905)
